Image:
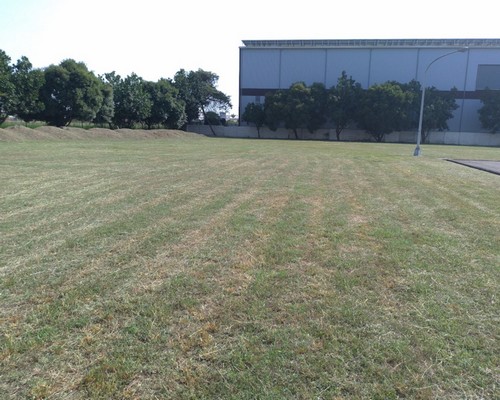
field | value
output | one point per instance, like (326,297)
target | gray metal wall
(278,68)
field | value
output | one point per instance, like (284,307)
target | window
(488,77)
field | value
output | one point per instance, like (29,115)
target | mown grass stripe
(216,268)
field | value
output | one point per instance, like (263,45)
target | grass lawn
(190,268)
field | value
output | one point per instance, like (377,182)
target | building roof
(372,43)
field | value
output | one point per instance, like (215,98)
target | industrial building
(470,65)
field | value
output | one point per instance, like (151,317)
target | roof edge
(371,43)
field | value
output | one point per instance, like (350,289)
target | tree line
(67,92)
(381,109)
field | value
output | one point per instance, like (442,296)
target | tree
(199,91)
(6,87)
(166,109)
(212,118)
(70,92)
(27,85)
(382,109)
(316,107)
(296,107)
(254,114)
(182,84)
(489,113)
(107,111)
(274,108)
(132,101)
(177,117)
(409,110)
(438,109)
(343,102)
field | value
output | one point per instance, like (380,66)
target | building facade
(473,66)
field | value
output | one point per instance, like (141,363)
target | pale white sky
(156,38)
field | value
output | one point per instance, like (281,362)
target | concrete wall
(449,137)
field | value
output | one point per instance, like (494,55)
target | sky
(156,38)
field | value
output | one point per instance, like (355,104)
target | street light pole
(417,151)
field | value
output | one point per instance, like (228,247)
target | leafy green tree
(177,117)
(107,111)
(212,118)
(438,109)
(296,107)
(317,104)
(343,102)
(27,85)
(199,91)
(183,85)
(56,96)
(410,106)
(489,113)
(6,87)
(166,110)
(274,109)
(133,103)
(382,109)
(70,92)
(255,114)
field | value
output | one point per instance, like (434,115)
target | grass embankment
(21,133)
(212,268)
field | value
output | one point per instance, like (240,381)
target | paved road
(484,165)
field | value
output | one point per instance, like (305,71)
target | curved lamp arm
(417,151)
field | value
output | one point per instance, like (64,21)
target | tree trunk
(339,127)
(425,135)
(206,119)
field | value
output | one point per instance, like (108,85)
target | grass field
(190,268)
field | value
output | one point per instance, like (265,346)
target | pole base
(417,151)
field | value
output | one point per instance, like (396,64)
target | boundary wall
(446,137)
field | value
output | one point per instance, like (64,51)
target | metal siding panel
(446,73)
(355,62)
(245,100)
(393,65)
(302,66)
(477,57)
(470,118)
(260,68)
(454,122)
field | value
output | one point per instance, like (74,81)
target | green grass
(219,268)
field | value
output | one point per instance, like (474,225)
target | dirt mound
(20,133)
(8,136)
(53,132)
(103,133)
